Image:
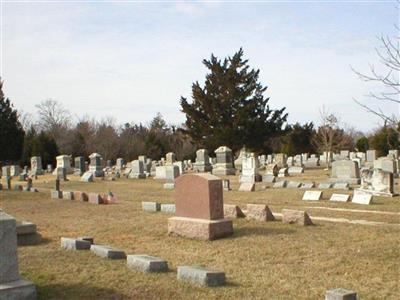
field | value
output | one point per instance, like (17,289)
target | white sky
(132,60)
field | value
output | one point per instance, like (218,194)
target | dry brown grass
(261,260)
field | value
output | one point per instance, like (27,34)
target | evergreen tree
(299,139)
(231,109)
(11,131)
(362,144)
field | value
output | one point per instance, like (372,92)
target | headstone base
(200,228)
(223,172)
(19,289)
(344,180)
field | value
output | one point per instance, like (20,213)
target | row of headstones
(146,263)
(18,187)
(358,197)
(310,185)
(93,198)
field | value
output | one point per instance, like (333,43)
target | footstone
(168,208)
(312,195)
(18,290)
(340,294)
(169,186)
(201,276)
(95,198)
(24,227)
(339,197)
(291,216)
(361,198)
(74,244)
(29,239)
(259,212)
(341,185)
(68,195)
(80,196)
(151,206)
(268,178)
(280,184)
(146,263)
(233,211)
(325,185)
(200,228)
(293,184)
(247,187)
(87,238)
(308,185)
(56,194)
(107,252)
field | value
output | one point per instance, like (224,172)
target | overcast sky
(132,60)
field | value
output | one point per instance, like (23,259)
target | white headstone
(312,195)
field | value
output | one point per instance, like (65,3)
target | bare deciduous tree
(388,78)
(52,115)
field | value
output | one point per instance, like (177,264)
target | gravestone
(380,180)
(15,170)
(325,185)
(11,285)
(202,163)
(295,170)
(259,212)
(247,187)
(224,164)
(226,184)
(283,172)
(340,294)
(95,165)
(280,184)
(238,161)
(79,165)
(36,165)
(371,155)
(312,196)
(137,170)
(199,208)
(63,161)
(291,216)
(87,177)
(308,185)
(146,263)
(62,173)
(171,172)
(6,171)
(345,171)
(120,164)
(170,158)
(361,198)
(233,211)
(250,169)
(293,184)
(201,276)
(281,160)
(344,154)
(272,169)
(339,197)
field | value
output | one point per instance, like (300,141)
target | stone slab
(24,227)
(293,184)
(308,185)
(74,244)
(247,187)
(259,212)
(361,198)
(233,211)
(340,294)
(291,216)
(168,208)
(95,198)
(18,290)
(169,186)
(280,184)
(325,185)
(339,197)
(8,249)
(56,194)
(200,228)
(151,206)
(341,185)
(107,252)
(201,276)
(312,195)
(268,178)
(87,239)
(68,195)
(80,196)
(29,239)
(146,263)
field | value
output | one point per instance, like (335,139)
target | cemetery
(236,239)
(199,150)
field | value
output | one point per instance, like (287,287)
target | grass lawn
(261,260)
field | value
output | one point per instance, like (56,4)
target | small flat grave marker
(247,187)
(146,263)
(107,252)
(201,276)
(361,198)
(312,195)
(339,197)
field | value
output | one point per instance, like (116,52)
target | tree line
(230,109)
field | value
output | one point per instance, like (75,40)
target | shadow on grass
(77,291)
(259,230)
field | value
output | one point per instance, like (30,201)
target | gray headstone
(340,294)
(201,276)
(146,263)
(107,252)
(74,244)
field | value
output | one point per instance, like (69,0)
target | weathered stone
(345,171)
(56,194)
(233,211)
(170,158)
(63,161)
(340,294)
(224,164)
(312,195)
(339,197)
(268,178)
(95,198)
(151,206)
(247,187)
(325,185)
(307,185)
(280,184)
(341,186)
(95,165)
(68,195)
(361,198)
(259,212)
(137,170)
(74,244)
(146,263)
(283,172)
(291,216)
(107,252)
(29,239)
(169,186)
(168,208)
(201,276)
(293,184)
(87,177)
(295,170)
(80,196)
(36,166)
(250,169)
(202,163)
(79,166)
(11,285)
(171,172)
(272,169)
